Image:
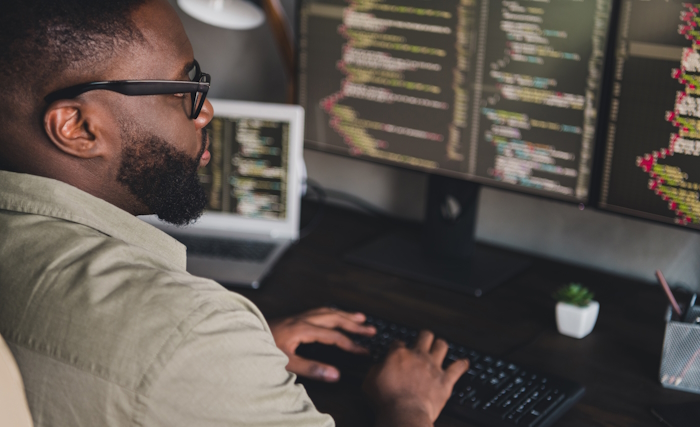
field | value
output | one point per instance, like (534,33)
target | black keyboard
(244,250)
(494,392)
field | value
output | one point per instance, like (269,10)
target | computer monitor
(652,156)
(503,93)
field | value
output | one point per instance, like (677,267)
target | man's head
(139,153)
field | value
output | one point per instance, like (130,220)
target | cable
(320,196)
(362,204)
(349,198)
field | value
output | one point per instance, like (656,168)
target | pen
(669,295)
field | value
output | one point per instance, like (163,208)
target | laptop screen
(247,174)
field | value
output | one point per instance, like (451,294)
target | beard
(163,178)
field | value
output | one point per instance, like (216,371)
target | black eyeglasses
(194,92)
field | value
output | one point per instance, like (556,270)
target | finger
(352,323)
(396,345)
(330,310)
(356,317)
(455,371)
(331,337)
(327,314)
(317,311)
(438,351)
(424,341)
(313,369)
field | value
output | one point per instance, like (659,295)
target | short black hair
(40,40)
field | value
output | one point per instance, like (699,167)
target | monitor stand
(446,254)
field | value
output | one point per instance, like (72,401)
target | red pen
(669,295)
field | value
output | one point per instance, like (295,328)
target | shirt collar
(48,197)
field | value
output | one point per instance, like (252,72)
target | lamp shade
(229,14)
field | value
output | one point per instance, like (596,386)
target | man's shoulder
(100,304)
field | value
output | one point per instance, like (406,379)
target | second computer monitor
(652,156)
(498,92)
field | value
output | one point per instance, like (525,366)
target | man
(107,327)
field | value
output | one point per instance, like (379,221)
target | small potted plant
(576,310)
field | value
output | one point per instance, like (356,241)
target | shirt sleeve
(227,371)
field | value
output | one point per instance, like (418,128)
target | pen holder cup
(680,360)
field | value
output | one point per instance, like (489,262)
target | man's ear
(72,127)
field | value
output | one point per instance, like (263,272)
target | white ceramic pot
(574,321)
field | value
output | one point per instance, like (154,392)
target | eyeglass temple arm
(165,88)
(140,88)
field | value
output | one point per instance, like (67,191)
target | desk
(618,363)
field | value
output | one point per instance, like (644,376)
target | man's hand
(321,326)
(410,388)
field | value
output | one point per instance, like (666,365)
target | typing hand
(321,326)
(410,388)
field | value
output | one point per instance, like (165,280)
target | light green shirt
(108,328)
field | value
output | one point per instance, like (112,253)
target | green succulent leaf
(574,294)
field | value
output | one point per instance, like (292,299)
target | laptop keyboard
(243,250)
(493,392)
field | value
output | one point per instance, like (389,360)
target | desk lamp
(229,14)
(244,15)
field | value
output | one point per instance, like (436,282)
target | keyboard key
(467,399)
(528,419)
(505,407)
(498,398)
(520,392)
(451,357)
(498,381)
(549,402)
(460,391)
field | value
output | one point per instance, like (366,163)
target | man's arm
(225,371)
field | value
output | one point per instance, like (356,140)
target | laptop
(253,186)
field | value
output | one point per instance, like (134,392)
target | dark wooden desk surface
(618,362)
